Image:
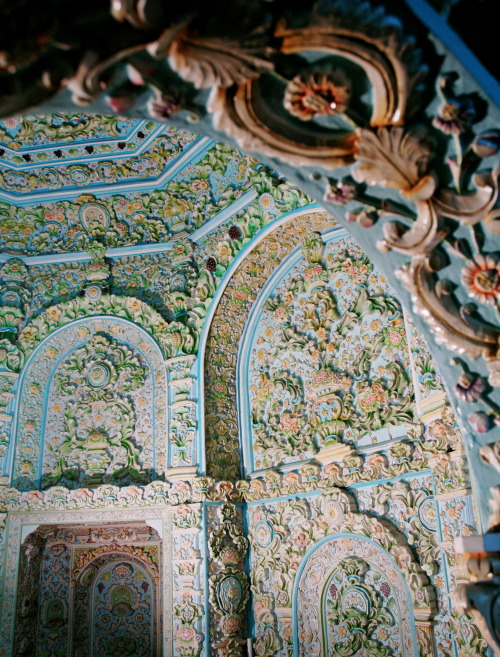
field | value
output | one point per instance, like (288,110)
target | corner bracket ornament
(312,116)
(447,227)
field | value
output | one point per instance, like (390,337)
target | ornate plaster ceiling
(67,180)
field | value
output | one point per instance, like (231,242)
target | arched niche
(303,545)
(324,361)
(88,588)
(351,596)
(116,607)
(225,327)
(92,407)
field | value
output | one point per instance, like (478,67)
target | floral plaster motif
(329,360)
(182,205)
(426,374)
(332,368)
(119,530)
(320,94)
(281,533)
(365,609)
(123,610)
(98,583)
(225,332)
(102,385)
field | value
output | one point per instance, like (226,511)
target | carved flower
(340,193)
(289,422)
(186,634)
(267,202)
(456,113)
(394,336)
(301,538)
(480,422)
(320,94)
(455,116)
(53,313)
(469,387)
(371,398)
(133,304)
(231,624)
(313,272)
(224,252)
(481,278)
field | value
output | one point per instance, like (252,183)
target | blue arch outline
(302,565)
(223,283)
(27,366)
(329,236)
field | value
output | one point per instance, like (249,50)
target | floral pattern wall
(212,407)
(329,361)
(361,464)
(97,584)
(93,408)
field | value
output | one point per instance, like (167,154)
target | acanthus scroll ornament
(400,159)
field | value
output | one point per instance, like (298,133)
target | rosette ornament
(318,94)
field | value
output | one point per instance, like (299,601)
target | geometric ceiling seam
(238,261)
(30,132)
(245,345)
(191,155)
(25,148)
(141,249)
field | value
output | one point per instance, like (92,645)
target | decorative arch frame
(117,555)
(48,330)
(339,509)
(327,541)
(218,310)
(131,308)
(292,259)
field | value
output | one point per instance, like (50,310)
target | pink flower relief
(320,94)
(481,277)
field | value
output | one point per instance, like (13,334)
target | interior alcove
(90,589)
(93,390)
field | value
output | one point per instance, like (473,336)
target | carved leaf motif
(209,62)
(392,158)
(422,237)
(471,208)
